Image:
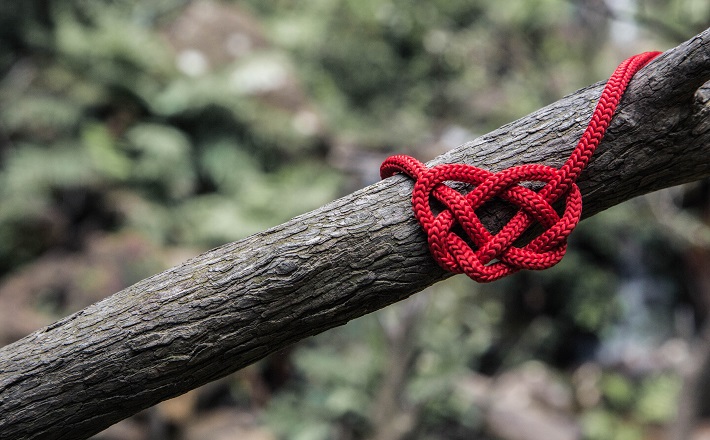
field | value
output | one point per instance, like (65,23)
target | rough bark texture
(233,305)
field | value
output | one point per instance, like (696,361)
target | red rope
(495,256)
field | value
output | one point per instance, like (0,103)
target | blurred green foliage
(93,101)
(111,124)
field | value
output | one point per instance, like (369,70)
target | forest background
(134,135)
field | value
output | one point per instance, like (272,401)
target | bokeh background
(136,134)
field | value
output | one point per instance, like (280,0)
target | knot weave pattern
(494,255)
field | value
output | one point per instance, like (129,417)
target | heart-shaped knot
(455,252)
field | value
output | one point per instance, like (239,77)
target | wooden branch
(233,305)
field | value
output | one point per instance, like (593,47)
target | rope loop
(471,248)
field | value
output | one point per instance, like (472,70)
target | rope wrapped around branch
(484,256)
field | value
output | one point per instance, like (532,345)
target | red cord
(495,256)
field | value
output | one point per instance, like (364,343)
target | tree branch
(233,305)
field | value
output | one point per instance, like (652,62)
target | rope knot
(495,255)
(456,253)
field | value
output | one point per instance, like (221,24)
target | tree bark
(233,305)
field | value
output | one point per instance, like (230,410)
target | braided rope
(495,256)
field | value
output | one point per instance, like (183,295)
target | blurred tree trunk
(233,305)
(694,400)
(393,417)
